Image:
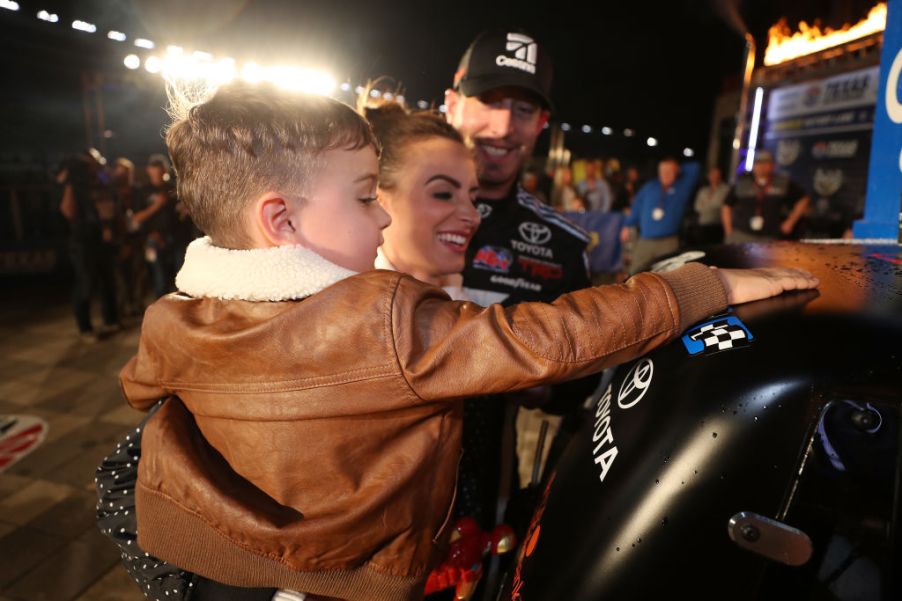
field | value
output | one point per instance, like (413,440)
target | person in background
(530,184)
(156,220)
(594,189)
(708,203)
(763,205)
(564,194)
(658,211)
(89,208)
(631,182)
(130,258)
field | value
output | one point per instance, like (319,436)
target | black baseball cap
(501,58)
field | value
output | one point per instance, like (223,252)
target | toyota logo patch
(535,233)
(635,384)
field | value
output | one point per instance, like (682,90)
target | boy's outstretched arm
(448,350)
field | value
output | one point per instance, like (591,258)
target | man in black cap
(763,205)
(523,250)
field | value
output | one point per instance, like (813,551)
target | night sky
(655,67)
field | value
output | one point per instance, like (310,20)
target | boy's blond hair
(248,140)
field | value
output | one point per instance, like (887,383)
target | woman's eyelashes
(443,195)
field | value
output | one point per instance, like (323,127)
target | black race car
(756,457)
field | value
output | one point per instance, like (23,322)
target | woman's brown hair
(395,127)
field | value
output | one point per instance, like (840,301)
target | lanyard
(760,195)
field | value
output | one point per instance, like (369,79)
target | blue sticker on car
(716,335)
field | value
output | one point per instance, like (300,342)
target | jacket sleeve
(450,350)
(139,384)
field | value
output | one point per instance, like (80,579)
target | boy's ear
(275,221)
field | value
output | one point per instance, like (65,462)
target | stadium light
(132,61)
(252,73)
(301,80)
(753,130)
(688,153)
(117,36)
(9,5)
(144,43)
(652,141)
(153,64)
(84,26)
(607,130)
(43,15)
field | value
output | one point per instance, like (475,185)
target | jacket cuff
(698,291)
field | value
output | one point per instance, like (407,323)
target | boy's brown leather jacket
(313,435)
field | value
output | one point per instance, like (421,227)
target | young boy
(311,437)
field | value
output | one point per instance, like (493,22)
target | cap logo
(525,53)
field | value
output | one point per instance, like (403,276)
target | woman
(708,203)
(427,183)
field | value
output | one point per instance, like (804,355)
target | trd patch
(716,335)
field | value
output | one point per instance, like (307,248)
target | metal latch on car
(770,538)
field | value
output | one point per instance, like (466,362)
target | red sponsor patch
(19,436)
(542,270)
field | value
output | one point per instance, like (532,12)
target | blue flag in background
(604,249)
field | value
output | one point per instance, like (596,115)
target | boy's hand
(745,285)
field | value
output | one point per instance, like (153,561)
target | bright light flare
(565,127)
(252,73)
(607,130)
(153,64)
(132,61)
(301,80)
(652,141)
(84,26)
(145,43)
(8,5)
(117,36)
(587,129)
(43,15)
(688,153)
(753,130)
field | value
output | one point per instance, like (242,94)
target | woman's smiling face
(431,206)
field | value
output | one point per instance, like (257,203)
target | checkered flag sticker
(722,334)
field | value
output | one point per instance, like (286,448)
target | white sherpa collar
(261,274)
